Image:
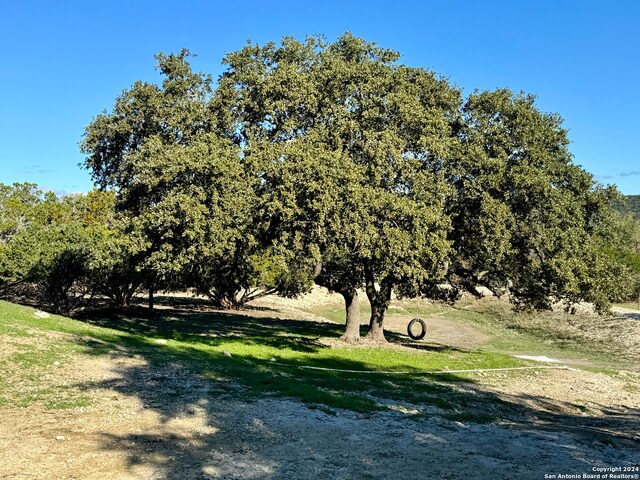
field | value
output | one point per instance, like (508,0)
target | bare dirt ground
(162,422)
(441,331)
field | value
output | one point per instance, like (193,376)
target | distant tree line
(628,205)
(328,163)
(58,251)
(627,247)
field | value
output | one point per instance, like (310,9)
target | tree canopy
(48,244)
(629,204)
(350,146)
(186,196)
(525,218)
(391,181)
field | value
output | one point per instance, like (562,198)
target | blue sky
(64,62)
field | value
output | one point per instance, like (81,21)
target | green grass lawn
(265,356)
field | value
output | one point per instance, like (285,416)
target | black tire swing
(423,331)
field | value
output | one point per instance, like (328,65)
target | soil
(440,331)
(162,422)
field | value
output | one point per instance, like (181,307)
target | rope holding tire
(423,332)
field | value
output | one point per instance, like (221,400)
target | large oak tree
(336,163)
(352,146)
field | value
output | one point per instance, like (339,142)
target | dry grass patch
(616,336)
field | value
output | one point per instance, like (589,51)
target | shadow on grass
(172,300)
(238,422)
(214,327)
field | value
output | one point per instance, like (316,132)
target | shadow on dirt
(630,315)
(245,417)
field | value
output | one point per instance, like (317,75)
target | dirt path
(281,439)
(164,422)
(629,313)
(440,331)
(138,428)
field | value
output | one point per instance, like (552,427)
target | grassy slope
(570,337)
(630,306)
(200,341)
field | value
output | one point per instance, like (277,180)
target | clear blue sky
(64,62)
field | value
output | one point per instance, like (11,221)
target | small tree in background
(47,256)
(623,245)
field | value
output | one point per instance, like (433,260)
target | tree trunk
(151,299)
(379,300)
(127,298)
(352,306)
(130,291)
(376,323)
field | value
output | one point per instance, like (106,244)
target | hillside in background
(630,204)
